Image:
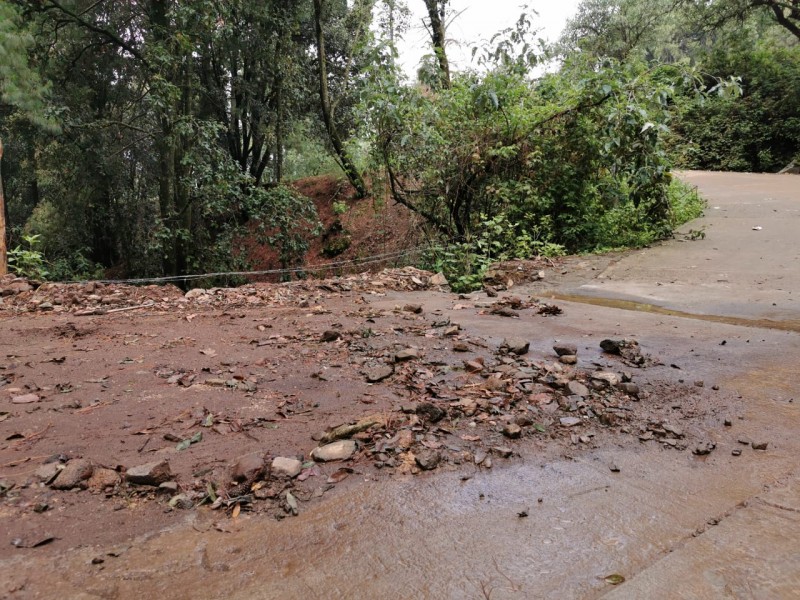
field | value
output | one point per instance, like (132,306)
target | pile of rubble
(469,416)
(93,298)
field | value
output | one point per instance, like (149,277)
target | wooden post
(3,249)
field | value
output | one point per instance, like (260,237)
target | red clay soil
(373,226)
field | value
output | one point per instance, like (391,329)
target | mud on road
(235,392)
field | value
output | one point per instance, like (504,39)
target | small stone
(603,379)
(406,355)
(379,373)
(487,463)
(568,359)
(195,293)
(736,451)
(428,460)
(460,347)
(570,421)
(760,445)
(47,473)
(74,475)
(102,479)
(154,473)
(438,280)
(516,346)
(512,431)
(430,412)
(169,486)
(704,448)
(182,502)
(413,308)
(502,451)
(473,366)
(480,456)
(728,422)
(330,336)
(341,450)
(614,468)
(629,388)
(248,468)
(745,441)
(565,349)
(617,346)
(576,388)
(25,399)
(699,384)
(289,467)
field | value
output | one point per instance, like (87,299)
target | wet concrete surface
(672,524)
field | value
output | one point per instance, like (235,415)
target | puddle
(785,325)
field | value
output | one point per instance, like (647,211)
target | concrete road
(674,525)
(746,265)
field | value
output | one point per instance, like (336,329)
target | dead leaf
(340,475)
(236,510)
(614,579)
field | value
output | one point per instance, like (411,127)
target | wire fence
(356,262)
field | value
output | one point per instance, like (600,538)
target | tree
(327,107)
(437,19)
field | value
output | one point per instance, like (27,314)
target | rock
(523,420)
(460,347)
(745,441)
(487,463)
(704,448)
(502,451)
(154,473)
(479,457)
(570,421)
(736,451)
(430,412)
(413,308)
(47,472)
(25,399)
(760,445)
(195,293)
(75,474)
(576,388)
(516,346)
(341,450)
(618,346)
(438,280)
(473,366)
(565,349)
(428,460)
(614,468)
(169,486)
(289,467)
(248,468)
(379,373)
(406,355)
(17,287)
(330,336)
(568,359)
(102,479)
(604,379)
(630,388)
(512,431)
(728,423)
(182,502)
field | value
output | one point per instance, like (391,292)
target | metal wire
(311,269)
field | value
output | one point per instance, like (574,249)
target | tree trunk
(436,14)
(3,248)
(347,164)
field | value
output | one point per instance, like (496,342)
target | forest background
(151,138)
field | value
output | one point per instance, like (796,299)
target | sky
(479,20)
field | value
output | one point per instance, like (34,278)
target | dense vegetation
(149,136)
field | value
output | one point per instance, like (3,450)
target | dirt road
(674,498)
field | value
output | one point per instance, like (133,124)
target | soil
(204,379)
(362,228)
